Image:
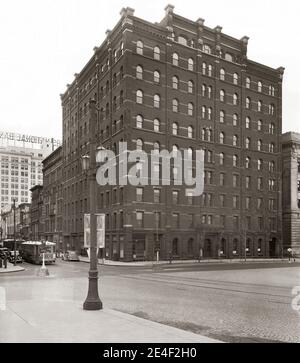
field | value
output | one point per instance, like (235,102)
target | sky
(44,42)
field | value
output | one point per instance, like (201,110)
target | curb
(10,271)
(207,263)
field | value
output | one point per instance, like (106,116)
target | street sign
(100,227)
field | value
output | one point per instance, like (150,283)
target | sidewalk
(11,268)
(181,262)
(66,321)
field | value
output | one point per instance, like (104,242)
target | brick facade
(291,191)
(228,105)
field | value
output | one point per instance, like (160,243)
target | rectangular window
(140,219)
(175,196)
(175,218)
(156,195)
(139,194)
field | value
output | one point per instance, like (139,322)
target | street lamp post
(15,241)
(92,301)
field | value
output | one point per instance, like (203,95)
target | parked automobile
(70,256)
(11,257)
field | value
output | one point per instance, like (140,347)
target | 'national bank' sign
(11,136)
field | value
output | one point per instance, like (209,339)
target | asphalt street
(235,303)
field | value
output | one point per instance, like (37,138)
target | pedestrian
(5,261)
(0,262)
(290,254)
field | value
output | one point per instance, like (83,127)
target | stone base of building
(135,245)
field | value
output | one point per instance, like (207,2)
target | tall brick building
(52,198)
(291,191)
(178,84)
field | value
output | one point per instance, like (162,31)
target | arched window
(259,106)
(190,109)
(203,134)
(259,86)
(190,132)
(175,128)
(259,125)
(190,64)
(156,125)
(121,48)
(139,144)
(209,92)
(209,113)
(191,246)
(235,78)
(175,247)
(222,138)
(175,105)
(235,120)
(139,72)
(156,147)
(182,40)
(235,140)
(190,87)
(209,135)
(156,53)
(248,103)
(235,246)
(229,57)
(259,164)
(204,90)
(248,82)
(248,122)
(175,59)
(222,74)
(222,158)
(139,96)
(259,145)
(156,77)
(190,153)
(206,49)
(222,95)
(247,162)
(271,166)
(248,143)
(235,99)
(222,117)
(204,68)
(235,161)
(140,47)
(156,101)
(271,110)
(210,70)
(271,148)
(175,149)
(139,121)
(115,103)
(175,82)
(271,128)
(203,112)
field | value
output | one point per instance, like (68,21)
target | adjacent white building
(21,159)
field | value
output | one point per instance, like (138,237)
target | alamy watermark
(157,168)
(296,300)
(2,299)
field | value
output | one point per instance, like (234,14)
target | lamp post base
(93,301)
(92,305)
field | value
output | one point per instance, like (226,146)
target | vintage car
(70,256)
(11,257)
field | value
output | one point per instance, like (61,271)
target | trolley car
(32,252)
